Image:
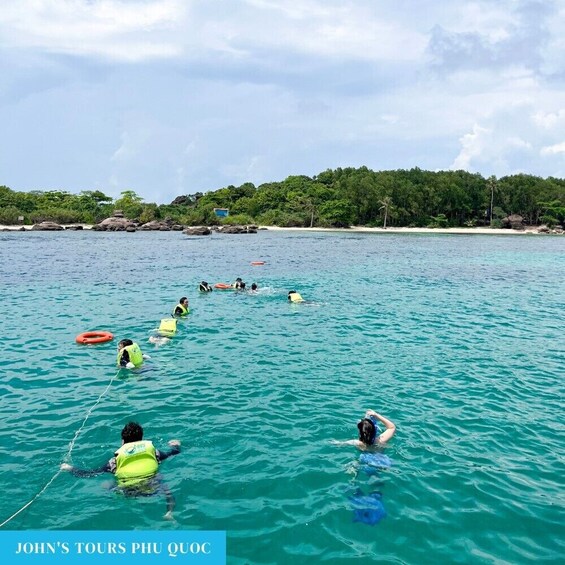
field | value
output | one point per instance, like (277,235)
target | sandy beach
(454,231)
(530,230)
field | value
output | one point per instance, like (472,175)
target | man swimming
(135,465)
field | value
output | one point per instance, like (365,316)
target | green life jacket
(135,462)
(183,311)
(135,355)
(168,327)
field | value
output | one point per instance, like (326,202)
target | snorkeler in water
(294,297)
(166,330)
(135,465)
(368,429)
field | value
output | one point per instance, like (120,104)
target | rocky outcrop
(181,201)
(161,225)
(514,221)
(199,230)
(47,226)
(115,223)
(237,229)
(74,228)
(546,229)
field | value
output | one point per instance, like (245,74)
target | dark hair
(125,342)
(204,286)
(238,279)
(242,285)
(254,286)
(132,432)
(367,431)
(183,299)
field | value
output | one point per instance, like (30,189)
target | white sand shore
(464,231)
(361,229)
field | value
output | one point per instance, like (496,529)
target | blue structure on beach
(222,212)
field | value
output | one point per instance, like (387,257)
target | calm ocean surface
(458,339)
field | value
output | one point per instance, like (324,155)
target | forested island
(334,198)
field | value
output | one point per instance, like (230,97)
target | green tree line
(333,198)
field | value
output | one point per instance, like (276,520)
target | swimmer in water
(164,332)
(182,309)
(135,465)
(130,355)
(295,297)
(238,284)
(368,432)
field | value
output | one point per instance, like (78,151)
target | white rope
(67,455)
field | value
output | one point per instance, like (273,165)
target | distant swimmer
(130,355)
(166,330)
(182,309)
(135,465)
(295,297)
(238,284)
(205,287)
(368,431)
(254,287)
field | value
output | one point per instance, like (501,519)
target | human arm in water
(175,450)
(380,440)
(109,467)
(161,456)
(390,427)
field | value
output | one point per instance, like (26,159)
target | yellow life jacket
(183,311)
(135,355)
(295,297)
(168,327)
(136,461)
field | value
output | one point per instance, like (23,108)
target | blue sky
(171,97)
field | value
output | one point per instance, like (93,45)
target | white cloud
(553,149)
(125,30)
(227,92)
(472,145)
(549,120)
(513,141)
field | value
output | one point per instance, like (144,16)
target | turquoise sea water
(457,339)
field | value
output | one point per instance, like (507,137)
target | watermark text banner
(143,547)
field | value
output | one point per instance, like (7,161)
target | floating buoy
(88,338)
(257,263)
(223,286)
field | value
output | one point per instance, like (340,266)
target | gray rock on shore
(197,230)
(237,229)
(514,221)
(47,226)
(161,225)
(115,223)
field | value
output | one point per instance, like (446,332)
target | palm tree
(386,202)
(491,183)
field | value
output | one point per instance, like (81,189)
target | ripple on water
(455,339)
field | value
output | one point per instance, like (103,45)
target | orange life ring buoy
(88,338)
(257,263)
(223,286)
